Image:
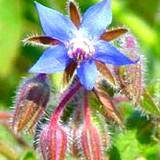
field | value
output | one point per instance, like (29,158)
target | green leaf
(149,104)
(130,148)
(114,154)
(136,120)
(28,155)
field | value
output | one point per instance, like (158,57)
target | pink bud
(90,137)
(130,41)
(31,101)
(91,143)
(131,78)
(53,142)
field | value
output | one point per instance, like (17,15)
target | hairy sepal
(53,142)
(40,40)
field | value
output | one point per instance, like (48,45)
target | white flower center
(80,49)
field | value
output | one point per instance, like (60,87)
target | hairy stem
(86,109)
(66,97)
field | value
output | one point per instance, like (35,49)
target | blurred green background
(18,18)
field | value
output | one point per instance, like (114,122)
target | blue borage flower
(80,40)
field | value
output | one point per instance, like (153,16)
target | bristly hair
(27,41)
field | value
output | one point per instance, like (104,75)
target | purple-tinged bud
(91,143)
(53,142)
(90,137)
(130,78)
(31,101)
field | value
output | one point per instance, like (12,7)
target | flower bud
(90,139)
(53,142)
(31,101)
(91,143)
(130,78)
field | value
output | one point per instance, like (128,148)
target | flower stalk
(66,97)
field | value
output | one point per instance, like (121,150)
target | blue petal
(106,53)
(87,73)
(97,18)
(55,24)
(54,59)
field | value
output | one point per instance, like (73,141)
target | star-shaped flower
(79,43)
